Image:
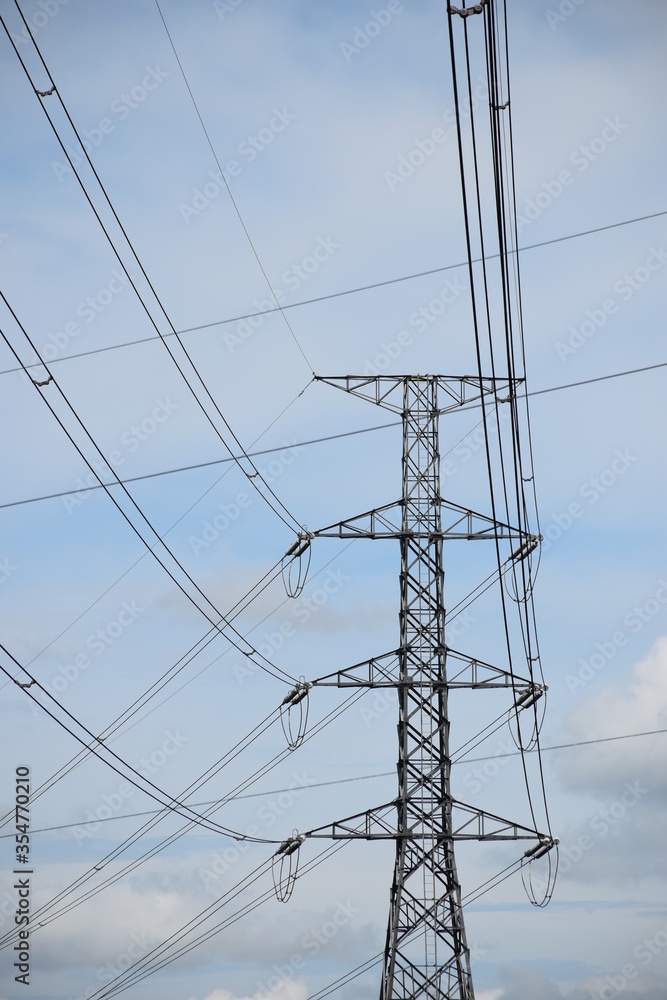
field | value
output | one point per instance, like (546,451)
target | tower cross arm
(460,389)
(468,823)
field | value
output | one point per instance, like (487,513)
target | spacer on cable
(467,11)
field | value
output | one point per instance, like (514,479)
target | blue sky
(313,136)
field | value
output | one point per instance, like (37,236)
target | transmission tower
(426,954)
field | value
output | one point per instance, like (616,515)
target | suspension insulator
(526,700)
(295,571)
(527,546)
(295,723)
(530,696)
(285,866)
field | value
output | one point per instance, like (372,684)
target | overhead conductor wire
(476,323)
(256,474)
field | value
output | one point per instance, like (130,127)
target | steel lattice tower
(426,955)
(425,895)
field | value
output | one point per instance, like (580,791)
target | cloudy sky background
(71,563)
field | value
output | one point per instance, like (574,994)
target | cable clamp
(467,11)
(528,545)
(541,848)
(44,382)
(45,93)
(530,696)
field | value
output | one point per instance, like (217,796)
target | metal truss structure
(426,954)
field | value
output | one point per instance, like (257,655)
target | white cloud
(640,705)
(288,989)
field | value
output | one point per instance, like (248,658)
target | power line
(172,804)
(160,539)
(143,556)
(251,477)
(320,440)
(336,295)
(203,465)
(229,191)
(563,746)
(344,781)
(210,802)
(120,722)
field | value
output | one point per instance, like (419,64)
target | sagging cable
(294,728)
(295,579)
(540,890)
(526,700)
(523,552)
(285,866)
